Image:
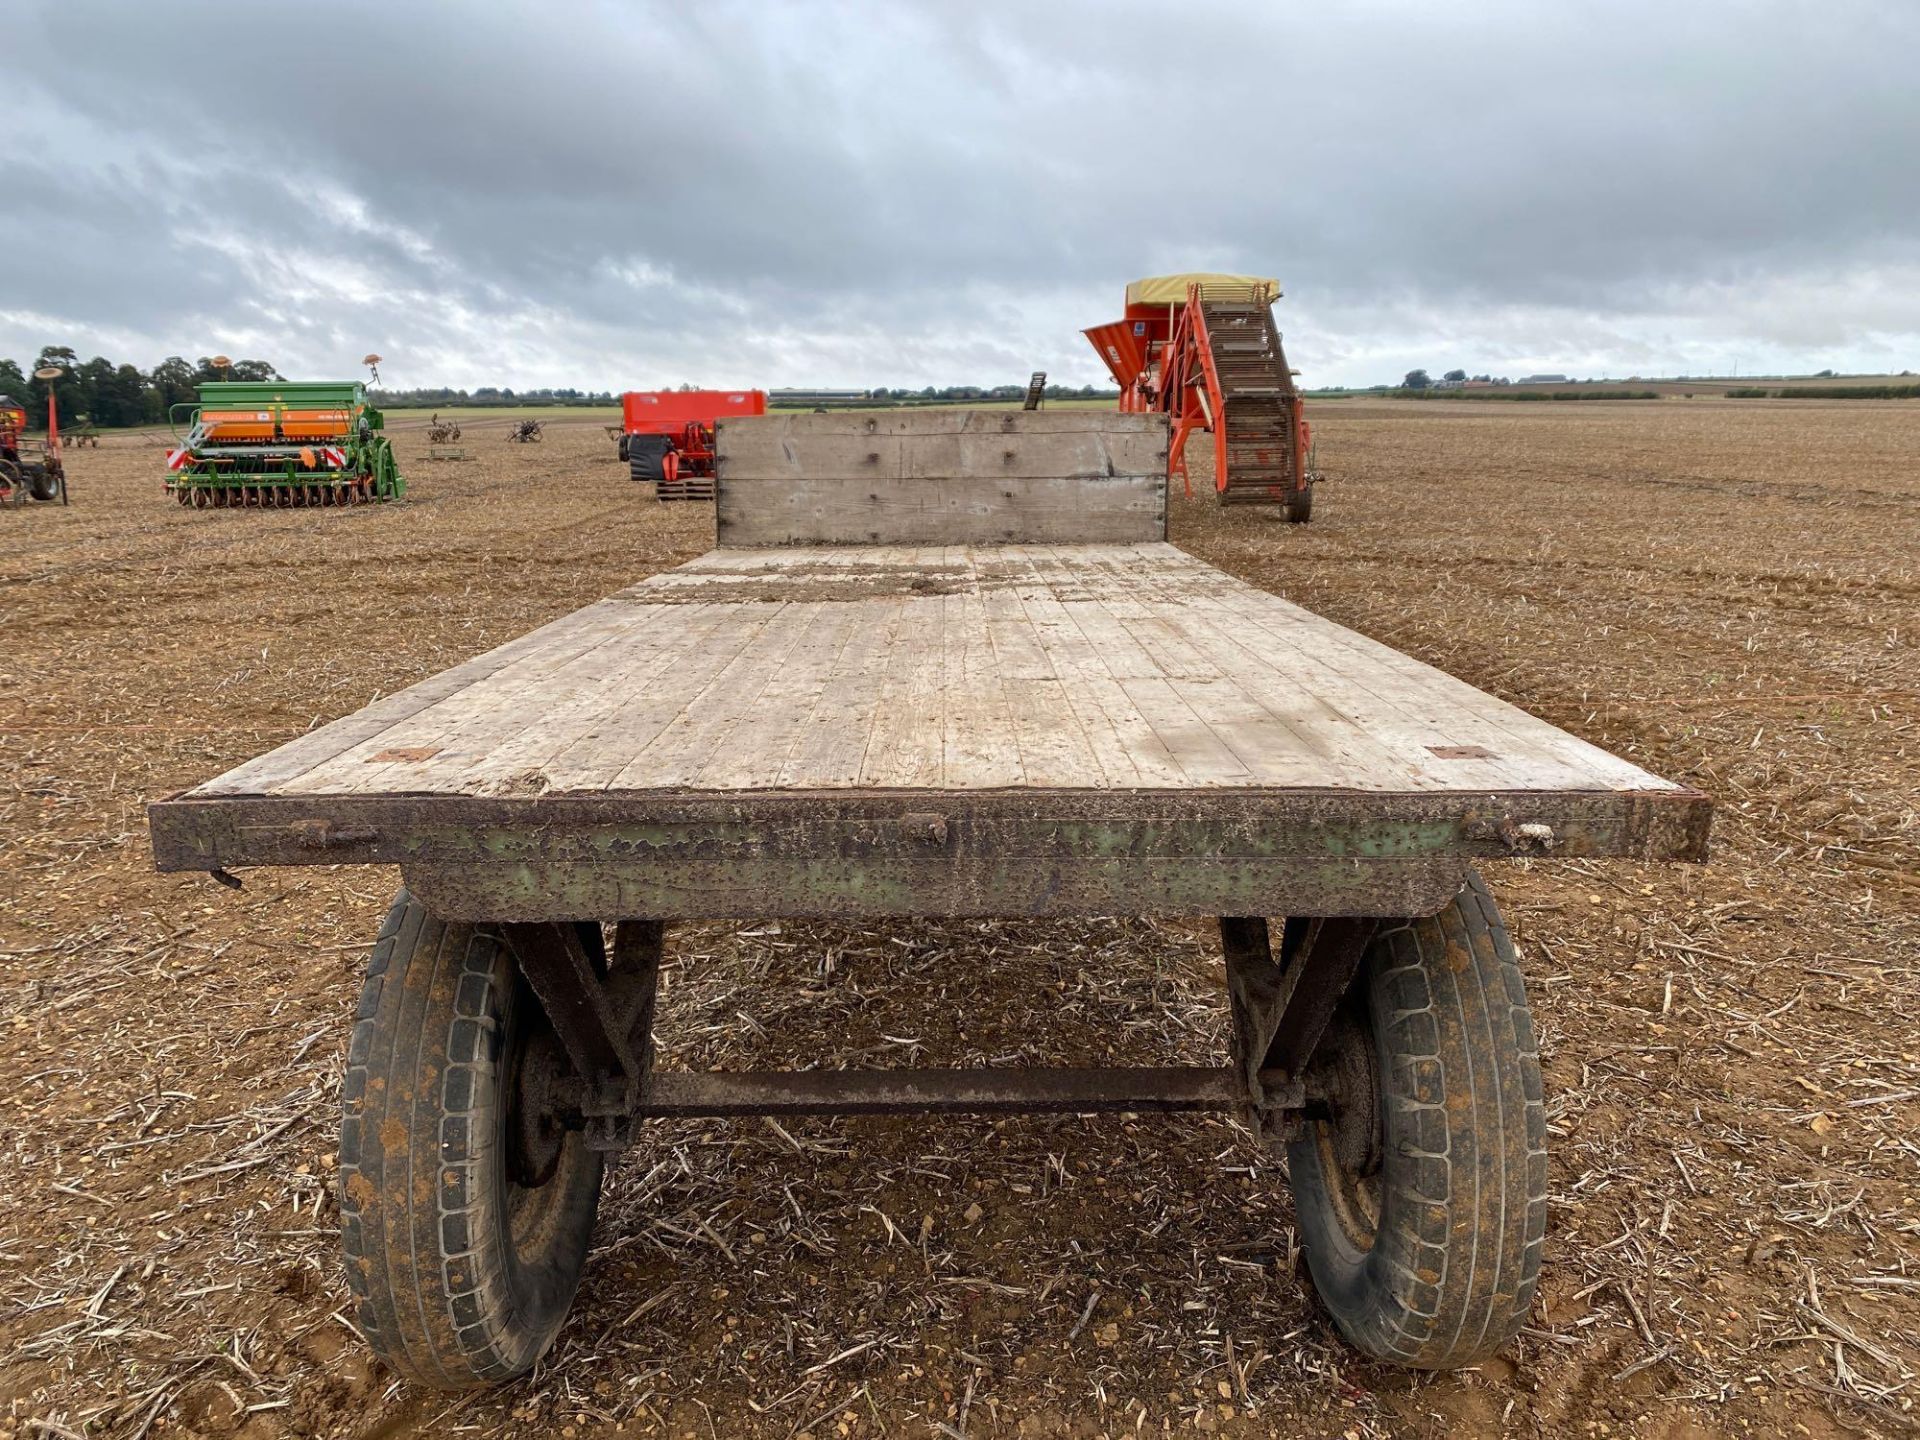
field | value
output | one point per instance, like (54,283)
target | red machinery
(29,471)
(667,436)
(1204,350)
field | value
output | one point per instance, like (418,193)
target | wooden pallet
(699,487)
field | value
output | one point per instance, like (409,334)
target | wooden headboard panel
(942,477)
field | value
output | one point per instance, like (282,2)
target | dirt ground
(1727,592)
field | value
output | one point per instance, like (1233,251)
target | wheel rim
(1345,1118)
(538,1144)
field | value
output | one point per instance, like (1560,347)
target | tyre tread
(417,1145)
(1453,1268)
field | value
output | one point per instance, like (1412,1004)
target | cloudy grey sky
(614,193)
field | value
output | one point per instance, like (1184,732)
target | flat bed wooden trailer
(940,665)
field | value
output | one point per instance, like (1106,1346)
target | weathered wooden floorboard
(952,668)
(832,741)
(905,745)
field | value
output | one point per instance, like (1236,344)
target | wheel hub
(536,1130)
(1343,1098)
(1345,1080)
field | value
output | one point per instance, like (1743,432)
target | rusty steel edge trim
(649,828)
(962,1091)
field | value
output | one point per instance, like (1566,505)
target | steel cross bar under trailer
(941,664)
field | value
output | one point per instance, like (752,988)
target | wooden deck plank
(1383,671)
(709,716)
(1315,702)
(832,743)
(590,762)
(772,728)
(1070,667)
(507,739)
(1387,695)
(577,702)
(1211,682)
(1124,744)
(978,742)
(317,748)
(457,734)
(1053,743)
(1331,692)
(1205,761)
(906,741)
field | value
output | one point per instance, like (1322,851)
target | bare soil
(1729,594)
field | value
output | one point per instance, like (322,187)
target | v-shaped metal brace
(1281,1008)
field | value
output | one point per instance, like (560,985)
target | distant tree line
(950,393)
(1511,394)
(448,399)
(1828,392)
(110,394)
(1420,380)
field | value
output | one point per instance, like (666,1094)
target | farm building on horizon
(1544,380)
(814,397)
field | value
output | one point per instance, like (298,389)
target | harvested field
(1728,594)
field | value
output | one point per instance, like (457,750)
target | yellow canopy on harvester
(1172,289)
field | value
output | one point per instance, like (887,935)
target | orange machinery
(1204,350)
(30,470)
(13,424)
(667,436)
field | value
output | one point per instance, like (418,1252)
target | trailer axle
(955,1092)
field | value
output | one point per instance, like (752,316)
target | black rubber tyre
(36,480)
(647,457)
(1299,506)
(1423,1199)
(623,447)
(462,1273)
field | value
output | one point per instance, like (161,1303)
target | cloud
(614,194)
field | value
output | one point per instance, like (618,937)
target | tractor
(667,436)
(29,469)
(1203,350)
(277,443)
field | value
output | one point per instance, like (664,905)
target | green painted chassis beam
(672,855)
